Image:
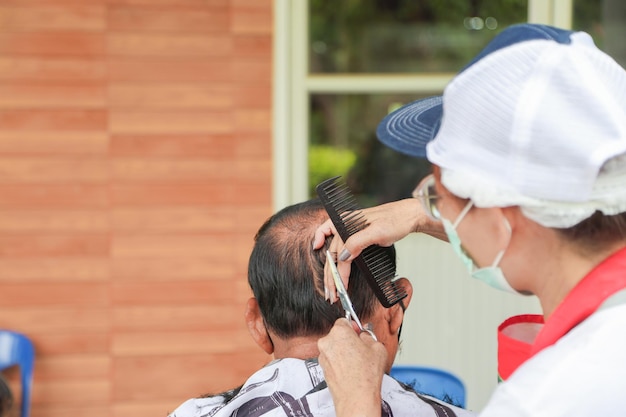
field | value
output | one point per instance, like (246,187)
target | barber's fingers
(388,223)
(377,232)
(330,291)
(322,232)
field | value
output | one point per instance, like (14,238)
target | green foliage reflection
(327,161)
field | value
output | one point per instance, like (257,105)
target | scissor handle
(350,317)
(371,333)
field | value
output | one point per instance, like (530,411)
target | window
(384,39)
(606,21)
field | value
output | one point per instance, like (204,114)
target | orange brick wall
(135,168)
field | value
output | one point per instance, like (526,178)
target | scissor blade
(341,290)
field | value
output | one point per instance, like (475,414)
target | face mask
(491,275)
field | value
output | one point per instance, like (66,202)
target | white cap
(536,120)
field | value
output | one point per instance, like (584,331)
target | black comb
(374,262)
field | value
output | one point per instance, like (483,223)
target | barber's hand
(387,224)
(354,365)
(342,267)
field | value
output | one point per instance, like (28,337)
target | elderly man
(286,317)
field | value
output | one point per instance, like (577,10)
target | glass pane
(605,20)
(343,142)
(368,36)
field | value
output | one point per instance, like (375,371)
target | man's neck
(296,347)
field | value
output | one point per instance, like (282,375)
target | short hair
(286,275)
(597,232)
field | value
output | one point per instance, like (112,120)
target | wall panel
(135,169)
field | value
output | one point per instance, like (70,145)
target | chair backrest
(431,381)
(17,349)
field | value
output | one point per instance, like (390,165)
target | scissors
(346,303)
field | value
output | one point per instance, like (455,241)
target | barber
(528,146)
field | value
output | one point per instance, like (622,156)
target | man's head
(289,312)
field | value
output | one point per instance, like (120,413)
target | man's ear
(256,326)
(397,311)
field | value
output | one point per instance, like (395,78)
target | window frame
(293,85)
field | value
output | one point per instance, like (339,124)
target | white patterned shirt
(296,388)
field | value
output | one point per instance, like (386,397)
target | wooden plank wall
(135,168)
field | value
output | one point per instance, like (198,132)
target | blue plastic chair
(17,349)
(435,382)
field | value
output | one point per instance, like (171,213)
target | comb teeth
(382,271)
(373,262)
